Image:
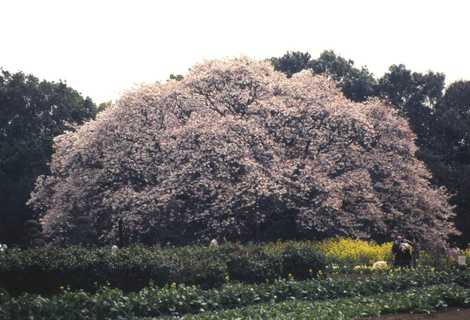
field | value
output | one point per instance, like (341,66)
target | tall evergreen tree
(32,113)
(450,150)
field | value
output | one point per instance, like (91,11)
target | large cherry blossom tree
(237,151)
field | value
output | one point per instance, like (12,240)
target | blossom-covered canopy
(238,151)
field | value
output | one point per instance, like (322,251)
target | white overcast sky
(103,47)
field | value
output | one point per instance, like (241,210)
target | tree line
(33,112)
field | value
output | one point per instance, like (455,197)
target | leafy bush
(420,300)
(46,270)
(255,268)
(180,299)
(302,263)
(463,279)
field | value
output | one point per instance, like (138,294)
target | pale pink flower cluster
(238,151)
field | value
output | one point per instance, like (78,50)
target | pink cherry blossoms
(238,151)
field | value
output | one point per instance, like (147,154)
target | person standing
(402,252)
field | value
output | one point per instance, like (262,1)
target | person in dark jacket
(402,251)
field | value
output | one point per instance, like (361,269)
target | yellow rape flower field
(350,251)
(359,251)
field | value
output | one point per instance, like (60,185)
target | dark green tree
(415,95)
(104,105)
(177,77)
(356,84)
(292,62)
(450,150)
(32,113)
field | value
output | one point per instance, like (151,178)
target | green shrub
(46,270)
(109,303)
(417,300)
(254,267)
(302,263)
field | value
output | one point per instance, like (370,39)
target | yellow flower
(356,250)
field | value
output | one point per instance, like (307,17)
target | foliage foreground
(420,291)
(422,300)
(281,280)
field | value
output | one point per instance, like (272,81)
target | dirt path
(453,314)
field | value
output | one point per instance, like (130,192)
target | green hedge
(420,300)
(46,270)
(179,299)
